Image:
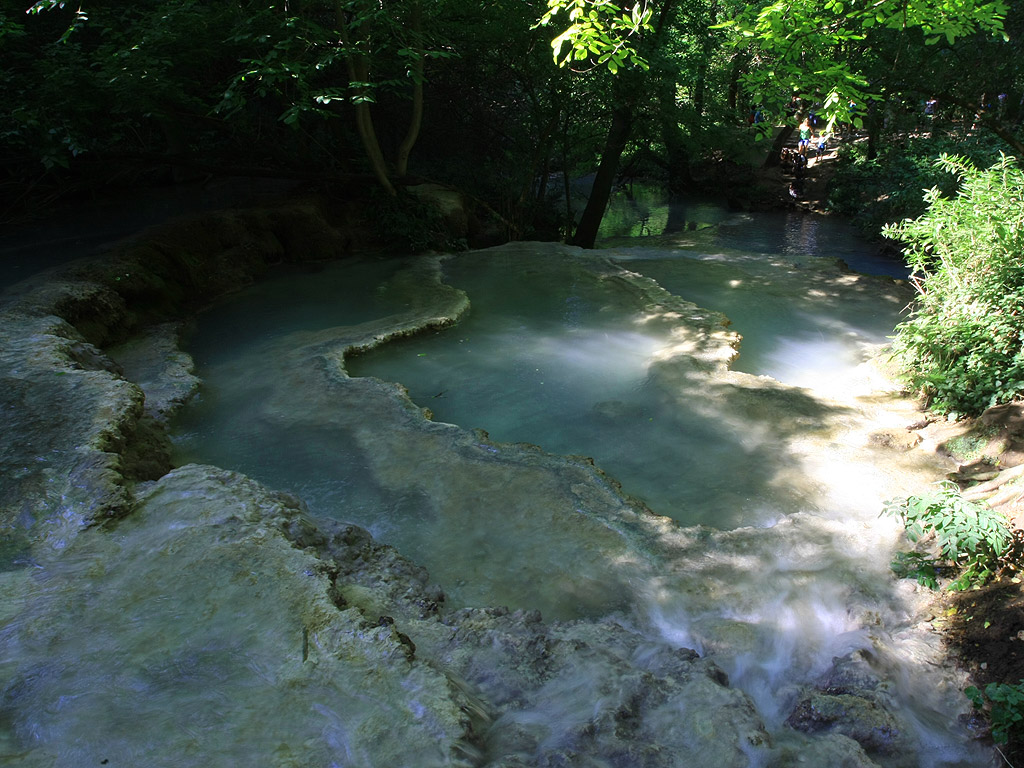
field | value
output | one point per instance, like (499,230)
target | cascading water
(774,564)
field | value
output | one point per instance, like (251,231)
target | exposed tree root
(987,490)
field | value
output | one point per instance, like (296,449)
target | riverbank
(983,628)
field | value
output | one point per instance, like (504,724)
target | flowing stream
(770,556)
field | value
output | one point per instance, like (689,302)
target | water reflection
(647,212)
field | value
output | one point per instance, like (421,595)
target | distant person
(786,159)
(819,148)
(806,132)
(800,167)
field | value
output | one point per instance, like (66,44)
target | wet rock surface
(587,692)
(850,700)
(66,417)
(205,637)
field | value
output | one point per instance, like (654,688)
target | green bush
(971,538)
(888,188)
(412,225)
(1006,707)
(963,344)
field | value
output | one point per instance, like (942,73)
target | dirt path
(811,194)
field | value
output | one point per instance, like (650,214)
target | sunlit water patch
(544,360)
(802,322)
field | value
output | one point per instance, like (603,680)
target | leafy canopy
(599,32)
(803,46)
(806,46)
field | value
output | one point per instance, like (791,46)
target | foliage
(301,58)
(969,537)
(963,344)
(888,188)
(114,78)
(808,46)
(95,91)
(1005,707)
(413,225)
(598,31)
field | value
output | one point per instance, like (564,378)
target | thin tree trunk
(359,72)
(566,181)
(416,118)
(700,86)
(739,61)
(618,134)
(678,158)
(874,126)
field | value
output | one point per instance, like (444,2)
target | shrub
(888,188)
(1006,707)
(963,344)
(412,225)
(971,538)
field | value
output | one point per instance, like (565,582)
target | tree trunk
(416,118)
(359,72)
(739,61)
(874,126)
(604,181)
(775,153)
(626,90)
(678,157)
(707,45)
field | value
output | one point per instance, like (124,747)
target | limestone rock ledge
(213,626)
(197,618)
(193,633)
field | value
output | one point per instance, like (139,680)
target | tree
(345,52)
(788,46)
(315,59)
(803,46)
